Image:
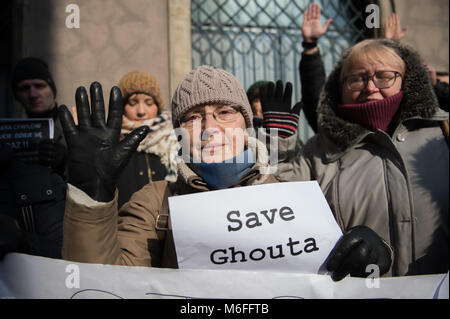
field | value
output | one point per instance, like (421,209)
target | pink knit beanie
(209,85)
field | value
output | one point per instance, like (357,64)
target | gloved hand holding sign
(358,248)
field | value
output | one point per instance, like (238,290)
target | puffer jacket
(34,196)
(396,183)
(140,234)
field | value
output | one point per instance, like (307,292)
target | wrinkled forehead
(372,59)
(208,107)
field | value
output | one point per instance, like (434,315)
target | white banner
(278,227)
(24,276)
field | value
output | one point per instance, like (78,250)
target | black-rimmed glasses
(381,79)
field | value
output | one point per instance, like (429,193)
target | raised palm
(312,28)
(392,28)
(96,156)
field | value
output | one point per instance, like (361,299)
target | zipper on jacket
(392,231)
(412,214)
(398,156)
(149,170)
(337,203)
(28,219)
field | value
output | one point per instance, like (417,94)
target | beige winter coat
(140,234)
(396,183)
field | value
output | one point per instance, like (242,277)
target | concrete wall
(114,37)
(428,29)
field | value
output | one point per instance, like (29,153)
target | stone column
(180,57)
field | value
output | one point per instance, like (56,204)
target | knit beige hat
(141,82)
(209,85)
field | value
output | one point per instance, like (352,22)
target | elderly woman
(381,160)
(212,109)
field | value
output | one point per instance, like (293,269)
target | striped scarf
(161,141)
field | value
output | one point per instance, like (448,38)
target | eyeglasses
(222,114)
(381,79)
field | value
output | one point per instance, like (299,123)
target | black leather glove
(276,107)
(12,238)
(359,247)
(95,155)
(52,154)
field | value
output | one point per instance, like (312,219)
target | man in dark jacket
(32,195)
(34,88)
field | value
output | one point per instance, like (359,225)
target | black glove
(96,157)
(12,238)
(52,154)
(276,108)
(359,247)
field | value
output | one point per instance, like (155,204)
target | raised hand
(432,74)
(312,29)
(95,155)
(276,107)
(392,29)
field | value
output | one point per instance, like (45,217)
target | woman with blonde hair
(381,159)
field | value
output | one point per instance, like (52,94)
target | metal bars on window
(261,39)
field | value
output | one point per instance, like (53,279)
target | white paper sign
(25,276)
(280,226)
(24,135)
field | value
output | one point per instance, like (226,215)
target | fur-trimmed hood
(419,100)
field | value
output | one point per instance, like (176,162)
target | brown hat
(141,82)
(209,85)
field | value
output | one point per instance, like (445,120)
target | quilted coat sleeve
(292,163)
(97,233)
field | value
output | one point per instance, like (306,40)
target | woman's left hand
(357,249)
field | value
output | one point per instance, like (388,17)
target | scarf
(161,141)
(225,174)
(373,115)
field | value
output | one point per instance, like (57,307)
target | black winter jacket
(312,77)
(142,169)
(34,196)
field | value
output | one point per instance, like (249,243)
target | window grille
(261,39)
